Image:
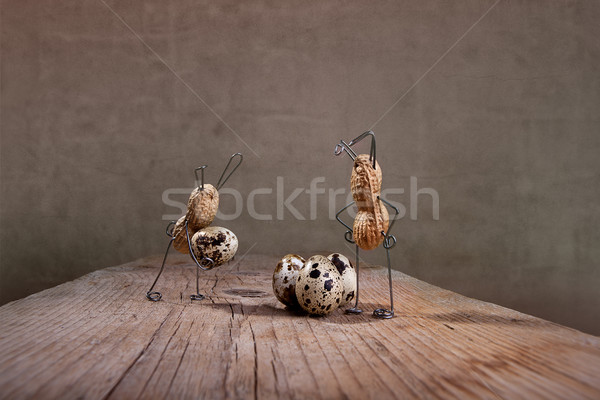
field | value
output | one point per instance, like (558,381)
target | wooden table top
(99,337)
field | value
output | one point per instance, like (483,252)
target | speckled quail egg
(284,279)
(348,274)
(218,244)
(319,286)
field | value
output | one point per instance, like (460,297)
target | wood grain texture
(98,337)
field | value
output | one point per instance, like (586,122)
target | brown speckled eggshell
(217,243)
(284,279)
(319,286)
(348,274)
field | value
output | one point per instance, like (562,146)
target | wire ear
(343,146)
(222,181)
(372,152)
(201,185)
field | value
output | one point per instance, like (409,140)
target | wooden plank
(98,337)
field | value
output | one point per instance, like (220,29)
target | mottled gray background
(504,125)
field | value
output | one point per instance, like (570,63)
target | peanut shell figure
(372,225)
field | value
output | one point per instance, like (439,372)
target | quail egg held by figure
(217,243)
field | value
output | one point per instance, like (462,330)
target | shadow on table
(269,310)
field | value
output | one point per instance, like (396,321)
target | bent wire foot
(156,295)
(349,237)
(389,241)
(204,264)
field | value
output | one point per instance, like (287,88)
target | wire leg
(382,312)
(197,295)
(355,309)
(205,264)
(156,296)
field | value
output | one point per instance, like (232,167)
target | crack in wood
(141,353)
(187,344)
(212,289)
(255,362)
(162,354)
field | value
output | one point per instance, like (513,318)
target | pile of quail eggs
(318,285)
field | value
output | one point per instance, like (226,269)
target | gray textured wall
(505,127)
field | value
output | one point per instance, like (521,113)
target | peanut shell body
(180,242)
(372,219)
(368,227)
(365,182)
(202,207)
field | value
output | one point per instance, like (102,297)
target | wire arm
(349,234)
(386,243)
